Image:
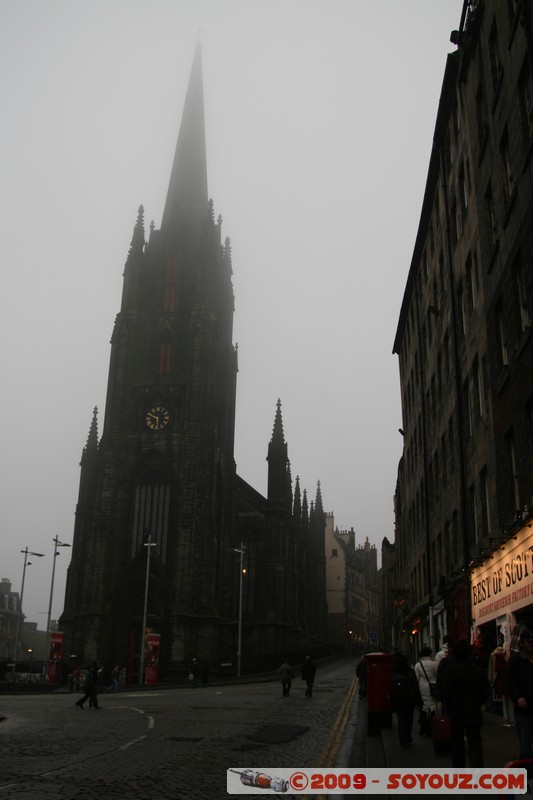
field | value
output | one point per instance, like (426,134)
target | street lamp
(19,615)
(240,550)
(57,544)
(149,544)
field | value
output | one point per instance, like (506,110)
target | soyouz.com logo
(248,780)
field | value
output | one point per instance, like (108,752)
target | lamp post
(57,544)
(240,550)
(148,544)
(19,615)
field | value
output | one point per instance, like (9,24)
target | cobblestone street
(167,744)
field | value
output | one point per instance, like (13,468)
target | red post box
(379,715)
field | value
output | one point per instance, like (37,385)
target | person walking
(466,689)
(90,690)
(193,674)
(113,687)
(444,651)
(308,674)
(426,675)
(361,673)
(405,697)
(519,675)
(285,676)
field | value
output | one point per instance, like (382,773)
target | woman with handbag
(426,674)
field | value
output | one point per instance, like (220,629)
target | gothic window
(169,296)
(151,506)
(165,356)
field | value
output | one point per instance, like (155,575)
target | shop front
(501,589)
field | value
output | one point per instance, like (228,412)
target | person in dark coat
(442,665)
(285,676)
(90,688)
(405,697)
(466,689)
(519,677)
(308,674)
(361,672)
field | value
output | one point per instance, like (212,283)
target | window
(496,69)
(463,191)
(151,506)
(481,117)
(506,169)
(520,293)
(491,216)
(165,357)
(502,339)
(514,489)
(169,291)
(485,502)
(525,100)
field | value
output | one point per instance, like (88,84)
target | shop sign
(504,583)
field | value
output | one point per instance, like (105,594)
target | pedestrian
(99,672)
(193,674)
(74,682)
(444,650)
(496,674)
(465,689)
(405,697)
(361,672)
(426,675)
(89,687)
(285,676)
(442,665)
(113,687)
(205,673)
(308,675)
(519,676)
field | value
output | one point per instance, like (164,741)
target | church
(171,546)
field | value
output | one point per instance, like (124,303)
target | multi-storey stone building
(353,591)
(464,339)
(162,478)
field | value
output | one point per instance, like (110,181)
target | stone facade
(464,334)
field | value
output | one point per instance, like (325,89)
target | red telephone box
(55,657)
(151,658)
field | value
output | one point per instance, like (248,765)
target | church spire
(279,489)
(186,206)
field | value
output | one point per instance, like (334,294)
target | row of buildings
(461,559)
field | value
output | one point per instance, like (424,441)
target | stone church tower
(164,466)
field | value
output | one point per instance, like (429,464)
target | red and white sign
(271,780)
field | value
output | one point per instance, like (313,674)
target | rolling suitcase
(441,733)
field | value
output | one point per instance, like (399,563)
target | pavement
(383,750)
(500,745)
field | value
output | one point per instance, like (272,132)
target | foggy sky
(319,121)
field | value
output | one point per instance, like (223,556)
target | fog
(319,121)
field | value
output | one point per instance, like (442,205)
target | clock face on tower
(157,418)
